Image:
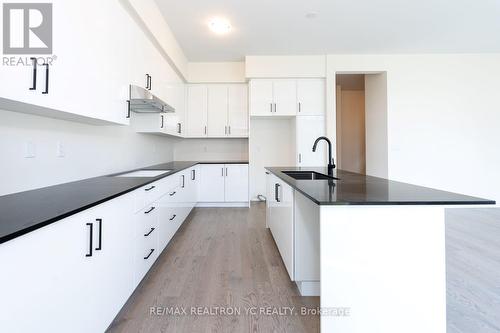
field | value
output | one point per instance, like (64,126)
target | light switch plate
(30,150)
(61,152)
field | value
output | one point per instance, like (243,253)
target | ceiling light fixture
(219,25)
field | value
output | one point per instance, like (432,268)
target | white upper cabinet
(311,97)
(273,97)
(84,78)
(197,103)
(237,110)
(217,110)
(261,98)
(285,97)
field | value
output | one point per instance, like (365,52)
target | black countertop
(356,189)
(26,211)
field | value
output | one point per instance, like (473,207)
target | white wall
(149,18)
(90,151)
(443,117)
(376,125)
(211,150)
(285,66)
(272,143)
(215,72)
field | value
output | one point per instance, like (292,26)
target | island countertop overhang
(356,189)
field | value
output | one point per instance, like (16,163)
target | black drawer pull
(149,233)
(172,218)
(150,210)
(90,239)
(171,194)
(149,255)
(99,247)
(46,79)
(34,73)
(149,188)
(193,174)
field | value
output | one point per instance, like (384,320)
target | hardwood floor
(220,257)
(227,258)
(473,270)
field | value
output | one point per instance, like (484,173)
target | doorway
(361,123)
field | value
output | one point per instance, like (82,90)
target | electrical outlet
(61,152)
(30,150)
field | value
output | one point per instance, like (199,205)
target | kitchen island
(372,248)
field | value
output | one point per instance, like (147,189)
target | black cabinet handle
(179,130)
(128,109)
(46,79)
(149,233)
(149,255)
(91,236)
(149,188)
(150,82)
(150,210)
(171,194)
(271,105)
(33,87)
(183,181)
(161,121)
(193,174)
(226,172)
(173,217)
(229,129)
(222,172)
(99,246)
(276,186)
(300,107)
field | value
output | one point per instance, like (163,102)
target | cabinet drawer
(153,191)
(146,253)
(147,220)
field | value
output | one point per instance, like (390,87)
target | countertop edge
(147,180)
(284,178)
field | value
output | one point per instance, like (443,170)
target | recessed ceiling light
(311,15)
(219,25)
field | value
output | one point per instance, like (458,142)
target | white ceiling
(277,27)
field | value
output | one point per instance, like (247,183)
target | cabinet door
(211,183)
(238,110)
(217,110)
(236,183)
(285,97)
(261,97)
(282,226)
(308,129)
(197,111)
(311,95)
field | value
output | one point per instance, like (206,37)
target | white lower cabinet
(77,273)
(281,220)
(223,184)
(73,275)
(294,223)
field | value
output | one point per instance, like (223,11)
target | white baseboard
(309,288)
(223,204)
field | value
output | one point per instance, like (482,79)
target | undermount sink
(143,173)
(307,175)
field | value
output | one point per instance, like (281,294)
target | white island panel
(386,264)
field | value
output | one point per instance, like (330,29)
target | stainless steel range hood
(143,101)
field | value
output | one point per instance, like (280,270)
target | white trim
(223,204)
(309,288)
